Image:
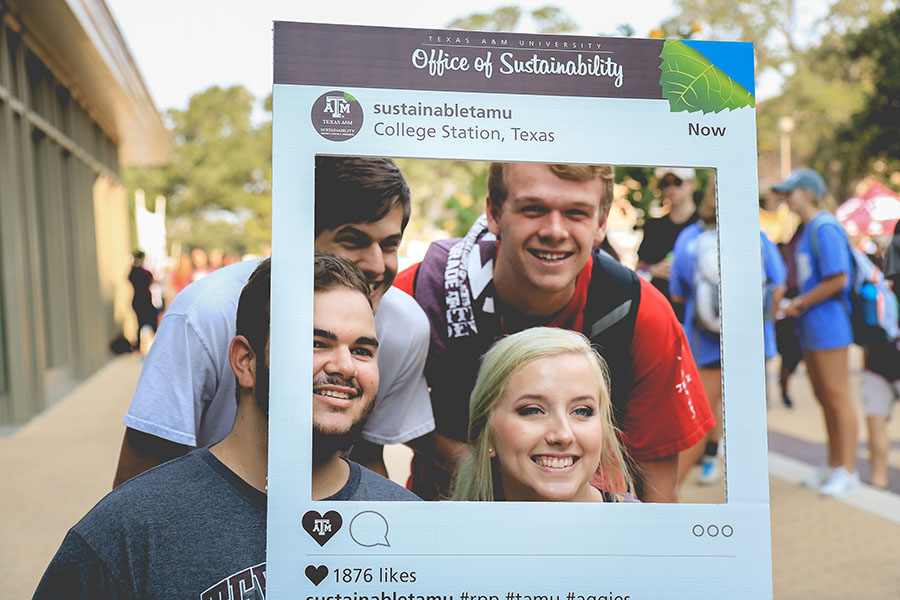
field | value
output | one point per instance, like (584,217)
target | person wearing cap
(655,251)
(823,325)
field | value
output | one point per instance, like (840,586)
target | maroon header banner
(466,61)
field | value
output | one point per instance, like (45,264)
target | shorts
(788,343)
(878,394)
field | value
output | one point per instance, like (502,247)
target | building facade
(73,108)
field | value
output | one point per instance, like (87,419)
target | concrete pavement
(60,464)
(55,468)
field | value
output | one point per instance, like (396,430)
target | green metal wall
(54,326)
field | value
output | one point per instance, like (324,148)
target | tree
(821,83)
(871,138)
(448,195)
(818,96)
(547,19)
(780,37)
(218,182)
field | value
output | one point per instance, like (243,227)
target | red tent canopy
(874,213)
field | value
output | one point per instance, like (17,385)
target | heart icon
(316,574)
(322,527)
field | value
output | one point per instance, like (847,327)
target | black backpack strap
(614,296)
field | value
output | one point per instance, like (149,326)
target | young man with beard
(195,527)
(529,262)
(185,395)
(345,376)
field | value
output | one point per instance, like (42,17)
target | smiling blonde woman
(540,426)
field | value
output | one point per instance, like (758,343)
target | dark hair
(253,308)
(498,187)
(254,305)
(332,271)
(358,190)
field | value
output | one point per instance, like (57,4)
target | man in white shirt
(186,394)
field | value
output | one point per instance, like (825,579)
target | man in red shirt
(529,262)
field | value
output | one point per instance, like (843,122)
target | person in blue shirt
(696,252)
(774,278)
(822,310)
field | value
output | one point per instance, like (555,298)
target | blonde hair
(475,478)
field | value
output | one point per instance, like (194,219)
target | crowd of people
(812,312)
(152,294)
(519,363)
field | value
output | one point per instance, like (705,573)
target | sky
(185,46)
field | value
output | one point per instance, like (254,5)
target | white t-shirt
(186,391)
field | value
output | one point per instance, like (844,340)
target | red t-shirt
(664,368)
(667,410)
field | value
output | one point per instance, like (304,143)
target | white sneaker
(709,471)
(817,478)
(840,483)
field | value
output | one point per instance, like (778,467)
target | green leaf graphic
(349,98)
(691,83)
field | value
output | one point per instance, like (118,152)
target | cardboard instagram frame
(551,98)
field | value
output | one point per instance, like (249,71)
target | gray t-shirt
(190,528)
(364,484)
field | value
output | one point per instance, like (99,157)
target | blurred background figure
(147,314)
(780,230)
(786,339)
(823,325)
(655,252)
(216,259)
(881,378)
(775,218)
(200,262)
(774,275)
(181,277)
(694,286)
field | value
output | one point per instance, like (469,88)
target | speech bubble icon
(369,528)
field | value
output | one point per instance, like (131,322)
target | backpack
(610,316)
(768,286)
(873,309)
(707,314)
(705,292)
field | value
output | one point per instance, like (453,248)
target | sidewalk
(824,548)
(56,468)
(60,464)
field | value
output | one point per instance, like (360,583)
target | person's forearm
(643,270)
(660,270)
(443,451)
(777,296)
(656,480)
(825,289)
(142,451)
